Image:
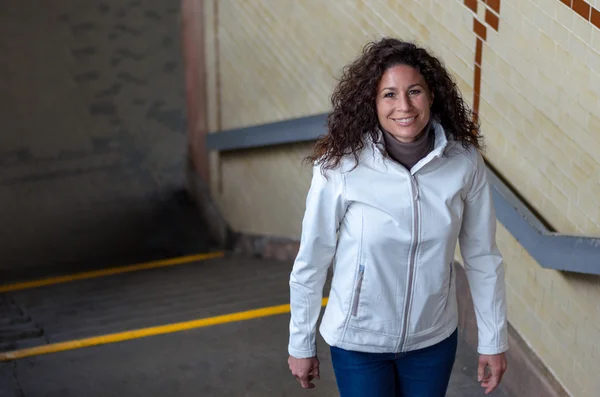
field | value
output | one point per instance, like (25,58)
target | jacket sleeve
(325,208)
(483,263)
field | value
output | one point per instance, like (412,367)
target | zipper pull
(415,186)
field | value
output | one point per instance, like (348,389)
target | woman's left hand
(497,364)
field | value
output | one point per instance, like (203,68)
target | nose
(403,104)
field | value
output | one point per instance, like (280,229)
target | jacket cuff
(302,353)
(491,350)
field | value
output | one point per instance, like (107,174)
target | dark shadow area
(164,227)
(92,137)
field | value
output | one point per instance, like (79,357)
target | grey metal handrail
(550,249)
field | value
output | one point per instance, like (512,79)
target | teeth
(405,120)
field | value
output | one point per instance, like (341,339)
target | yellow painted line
(108,272)
(144,332)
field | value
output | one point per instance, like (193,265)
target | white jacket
(391,236)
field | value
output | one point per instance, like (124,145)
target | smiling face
(403,102)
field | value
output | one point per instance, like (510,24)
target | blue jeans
(419,373)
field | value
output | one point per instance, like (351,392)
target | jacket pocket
(357,288)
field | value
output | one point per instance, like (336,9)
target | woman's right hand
(305,370)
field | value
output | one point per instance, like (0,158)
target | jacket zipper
(361,273)
(411,266)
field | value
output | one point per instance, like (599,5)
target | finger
(493,383)
(304,378)
(501,374)
(316,372)
(481,371)
(306,384)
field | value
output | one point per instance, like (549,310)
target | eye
(414,92)
(389,95)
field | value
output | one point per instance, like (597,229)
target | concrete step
(154,297)
(17,330)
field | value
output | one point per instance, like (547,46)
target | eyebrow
(409,87)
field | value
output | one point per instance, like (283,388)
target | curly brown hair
(354,113)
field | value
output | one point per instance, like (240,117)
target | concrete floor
(236,359)
(239,359)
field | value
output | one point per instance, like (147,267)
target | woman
(397,182)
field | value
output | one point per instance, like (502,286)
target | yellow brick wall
(271,60)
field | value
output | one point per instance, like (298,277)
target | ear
(431,98)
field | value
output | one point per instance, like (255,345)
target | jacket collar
(442,142)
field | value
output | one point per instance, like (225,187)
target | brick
(522,104)
(478,51)
(582,8)
(502,67)
(536,195)
(578,78)
(594,189)
(595,44)
(544,22)
(511,16)
(576,46)
(477,79)
(560,34)
(548,7)
(565,16)
(559,199)
(494,5)
(581,366)
(489,63)
(586,162)
(593,60)
(479,29)
(529,30)
(579,177)
(593,124)
(578,110)
(472,5)
(588,100)
(583,29)
(595,17)
(548,87)
(550,342)
(527,8)
(591,208)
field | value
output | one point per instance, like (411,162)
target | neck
(410,153)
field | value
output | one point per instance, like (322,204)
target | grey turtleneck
(409,154)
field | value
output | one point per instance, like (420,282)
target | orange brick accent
(492,19)
(494,5)
(472,4)
(477,81)
(582,8)
(479,29)
(595,18)
(477,77)
(478,52)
